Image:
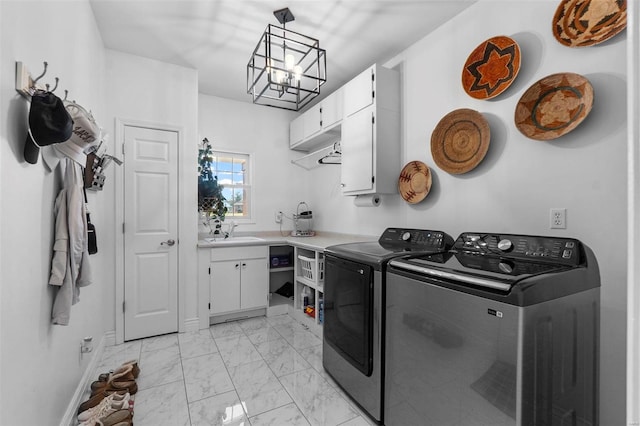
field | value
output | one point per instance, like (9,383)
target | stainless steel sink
(232,240)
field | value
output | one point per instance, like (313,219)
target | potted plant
(210,199)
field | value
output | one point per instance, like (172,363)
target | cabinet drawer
(243,252)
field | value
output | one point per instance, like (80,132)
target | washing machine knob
(506,267)
(406,236)
(505,245)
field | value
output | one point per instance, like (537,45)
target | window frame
(248,188)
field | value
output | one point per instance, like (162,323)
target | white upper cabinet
(359,92)
(357,174)
(296,131)
(332,107)
(370,139)
(317,127)
(312,120)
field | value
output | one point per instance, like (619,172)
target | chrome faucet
(232,227)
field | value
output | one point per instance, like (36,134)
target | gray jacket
(70,268)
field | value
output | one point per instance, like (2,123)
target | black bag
(92,240)
(91,236)
(286,290)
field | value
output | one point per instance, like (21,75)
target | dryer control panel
(566,251)
(416,238)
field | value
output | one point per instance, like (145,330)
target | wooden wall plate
(460,141)
(414,182)
(554,106)
(491,67)
(579,23)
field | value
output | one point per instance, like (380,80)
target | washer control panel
(563,250)
(416,238)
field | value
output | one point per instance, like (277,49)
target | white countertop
(318,242)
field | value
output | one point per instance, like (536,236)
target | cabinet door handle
(244,265)
(237,265)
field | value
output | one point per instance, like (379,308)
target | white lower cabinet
(238,279)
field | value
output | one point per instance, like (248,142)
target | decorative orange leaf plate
(554,106)
(460,141)
(579,23)
(414,182)
(491,67)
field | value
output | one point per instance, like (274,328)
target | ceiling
(217,37)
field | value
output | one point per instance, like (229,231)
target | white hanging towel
(70,268)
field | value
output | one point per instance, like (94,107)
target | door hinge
(209,306)
(123,306)
(373,94)
(123,149)
(373,179)
(373,119)
(209,271)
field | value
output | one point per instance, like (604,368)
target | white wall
(520,178)
(264,133)
(40,364)
(153,92)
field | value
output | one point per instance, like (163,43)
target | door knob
(168,242)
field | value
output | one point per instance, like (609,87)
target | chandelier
(286,68)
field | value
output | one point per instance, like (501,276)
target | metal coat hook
(54,87)
(41,75)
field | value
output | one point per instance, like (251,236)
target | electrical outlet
(558,218)
(278,217)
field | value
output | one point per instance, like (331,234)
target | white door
(150,232)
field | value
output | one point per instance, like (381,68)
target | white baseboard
(192,324)
(69,418)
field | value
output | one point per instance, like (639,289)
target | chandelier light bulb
(289,61)
(297,73)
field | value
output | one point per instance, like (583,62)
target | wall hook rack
(27,85)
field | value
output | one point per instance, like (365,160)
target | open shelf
(279,276)
(279,304)
(309,283)
(283,269)
(326,155)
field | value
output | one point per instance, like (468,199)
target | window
(233,172)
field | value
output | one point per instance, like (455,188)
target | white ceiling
(217,37)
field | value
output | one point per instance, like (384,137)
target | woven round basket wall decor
(579,23)
(414,182)
(554,106)
(491,67)
(460,141)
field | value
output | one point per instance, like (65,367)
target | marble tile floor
(254,372)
